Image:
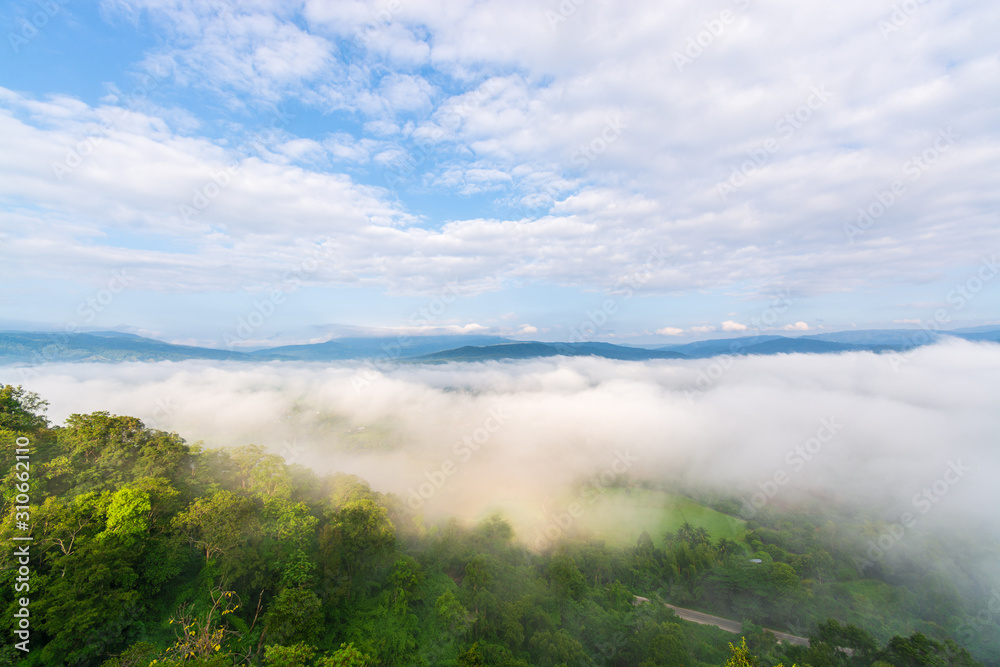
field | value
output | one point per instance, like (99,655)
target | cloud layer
(851,429)
(761,145)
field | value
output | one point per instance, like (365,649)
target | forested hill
(147,550)
(20,347)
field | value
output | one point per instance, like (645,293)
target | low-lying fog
(862,427)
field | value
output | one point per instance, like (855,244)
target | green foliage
(297,655)
(565,577)
(294,616)
(346,656)
(297,570)
(218,523)
(128,513)
(741,656)
(918,650)
(451,613)
(144,547)
(358,536)
(20,410)
(558,648)
(137,655)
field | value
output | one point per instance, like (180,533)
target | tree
(128,514)
(294,616)
(291,523)
(90,601)
(204,636)
(727,547)
(346,656)
(67,524)
(918,650)
(839,637)
(565,577)
(452,614)
(218,523)
(480,573)
(297,655)
(666,645)
(359,534)
(741,656)
(404,580)
(20,409)
(260,473)
(558,648)
(471,658)
(137,655)
(100,434)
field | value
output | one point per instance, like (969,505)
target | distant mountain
(995,328)
(118,334)
(36,348)
(32,347)
(798,345)
(895,338)
(368,348)
(534,349)
(981,335)
(110,346)
(710,348)
(871,340)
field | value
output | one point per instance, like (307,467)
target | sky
(664,171)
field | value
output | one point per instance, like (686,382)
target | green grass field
(617,515)
(620,515)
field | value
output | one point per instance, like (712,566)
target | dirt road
(726,624)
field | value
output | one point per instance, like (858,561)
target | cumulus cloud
(477,143)
(797,326)
(669,331)
(590,121)
(527,329)
(730,325)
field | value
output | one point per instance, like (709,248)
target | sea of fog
(914,435)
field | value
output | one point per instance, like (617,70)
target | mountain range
(33,347)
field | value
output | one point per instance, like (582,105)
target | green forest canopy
(148,550)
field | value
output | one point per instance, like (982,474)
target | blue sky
(664,171)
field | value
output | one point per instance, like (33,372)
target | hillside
(19,347)
(235,557)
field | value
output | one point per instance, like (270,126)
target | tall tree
(218,523)
(20,410)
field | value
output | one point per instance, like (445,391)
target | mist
(914,434)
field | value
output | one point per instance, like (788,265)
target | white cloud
(730,325)
(702,329)
(252,49)
(302,150)
(798,326)
(669,331)
(589,129)
(527,329)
